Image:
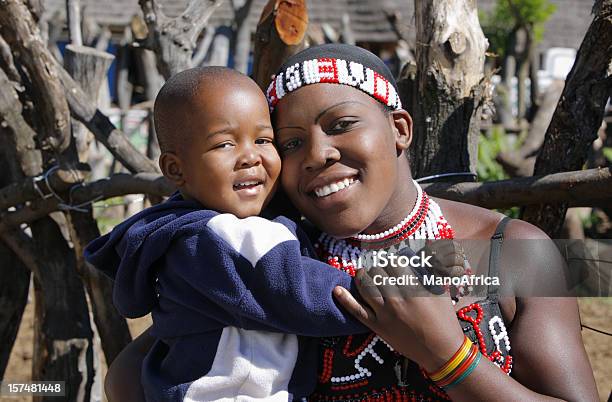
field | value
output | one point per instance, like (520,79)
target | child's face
(229,162)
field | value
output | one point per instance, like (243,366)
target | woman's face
(340,153)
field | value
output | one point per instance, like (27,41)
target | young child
(227,289)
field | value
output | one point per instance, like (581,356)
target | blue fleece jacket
(228,298)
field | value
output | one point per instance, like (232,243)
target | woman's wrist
(440,352)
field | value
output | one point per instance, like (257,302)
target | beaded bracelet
(459,374)
(461,365)
(466,373)
(453,362)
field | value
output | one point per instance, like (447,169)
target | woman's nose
(320,152)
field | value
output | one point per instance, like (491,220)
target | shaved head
(184,97)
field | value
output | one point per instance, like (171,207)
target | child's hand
(448,257)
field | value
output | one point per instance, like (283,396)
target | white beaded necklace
(411,215)
(424,222)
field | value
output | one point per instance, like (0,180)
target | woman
(342,136)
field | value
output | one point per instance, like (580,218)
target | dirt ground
(595,312)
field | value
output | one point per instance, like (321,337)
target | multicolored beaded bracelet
(459,366)
(453,362)
(457,375)
(466,373)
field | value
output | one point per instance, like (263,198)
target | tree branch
(7,63)
(60,181)
(23,247)
(21,32)
(19,132)
(115,186)
(580,188)
(114,139)
(174,39)
(578,115)
(73,15)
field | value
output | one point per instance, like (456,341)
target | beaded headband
(334,71)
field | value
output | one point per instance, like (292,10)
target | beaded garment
(365,368)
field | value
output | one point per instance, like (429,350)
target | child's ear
(402,126)
(171,167)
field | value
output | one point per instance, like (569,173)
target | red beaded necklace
(424,222)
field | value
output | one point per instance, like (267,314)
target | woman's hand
(424,328)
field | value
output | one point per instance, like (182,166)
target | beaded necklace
(424,222)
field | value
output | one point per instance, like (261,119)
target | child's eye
(224,145)
(290,145)
(261,141)
(342,125)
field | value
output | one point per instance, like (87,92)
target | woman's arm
(122,382)
(549,358)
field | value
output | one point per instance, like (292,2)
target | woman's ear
(171,167)
(402,123)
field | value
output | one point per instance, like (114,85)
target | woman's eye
(290,145)
(342,125)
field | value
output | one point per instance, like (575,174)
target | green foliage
(488,147)
(508,15)
(607,151)
(488,168)
(106,214)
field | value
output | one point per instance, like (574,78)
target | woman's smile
(336,194)
(334,187)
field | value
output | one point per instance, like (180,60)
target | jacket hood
(128,254)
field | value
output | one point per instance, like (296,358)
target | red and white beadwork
(424,222)
(334,71)
(503,362)
(363,372)
(502,335)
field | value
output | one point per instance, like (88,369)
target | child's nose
(249,157)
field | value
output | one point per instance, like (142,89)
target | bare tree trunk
(242,35)
(220,47)
(88,67)
(450,89)
(15,275)
(280,34)
(503,91)
(348,36)
(522,58)
(174,39)
(16,130)
(153,79)
(73,15)
(63,346)
(203,46)
(13,299)
(21,32)
(522,161)
(534,92)
(579,114)
(44,71)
